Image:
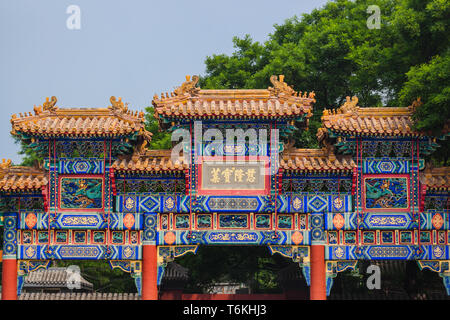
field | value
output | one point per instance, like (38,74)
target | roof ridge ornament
(117,105)
(349,106)
(139,150)
(49,105)
(280,87)
(415,104)
(189,86)
(5,164)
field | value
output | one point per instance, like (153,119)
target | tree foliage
(250,265)
(104,279)
(332,51)
(160,139)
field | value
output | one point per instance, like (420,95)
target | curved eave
(71,134)
(375,134)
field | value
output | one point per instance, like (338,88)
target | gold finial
(142,147)
(416,103)
(5,164)
(279,86)
(349,105)
(116,105)
(189,86)
(50,105)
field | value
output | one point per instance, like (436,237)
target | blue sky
(131,49)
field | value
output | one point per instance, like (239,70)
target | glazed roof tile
(52,277)
(436,178)
(350,118)
(20,178)
(315,159)
(175,271)
(292,159)
(191,101)
(150,161)
(50,120)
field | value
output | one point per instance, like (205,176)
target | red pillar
(9,279)
(149,273)
(318,289)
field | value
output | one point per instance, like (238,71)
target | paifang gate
(101,194)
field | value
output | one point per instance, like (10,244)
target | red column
(9,279)
(318,289)
(149,273)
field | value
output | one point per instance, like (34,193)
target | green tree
(104,279)
(29,156)
(160,139)
(332,51)
(430,82)
(251,265)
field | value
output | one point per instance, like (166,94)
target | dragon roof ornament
(188,87)
(50,105)
(280,87)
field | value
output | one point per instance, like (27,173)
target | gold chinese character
(227,174)
(238,175)
(215,175)
(251,175)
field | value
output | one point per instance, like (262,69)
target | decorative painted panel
(340,221)
(233,221)
(386,192)
(297,203)
(263,221)
(81,252)
(9,235)
(150,232)
(28,237)
(83,220)
(220,175)
(386,252)
(434,219)
(81,193)
(81,166)
(225,237)
(388,165)
(204,221)
(381,220)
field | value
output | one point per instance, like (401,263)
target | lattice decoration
(32,203)
(440,201)
(153,185)
(75,148)
(22,203)
(316,185)
(238,125)
(370,147)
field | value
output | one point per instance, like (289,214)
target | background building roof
(49,120)
(20,178)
